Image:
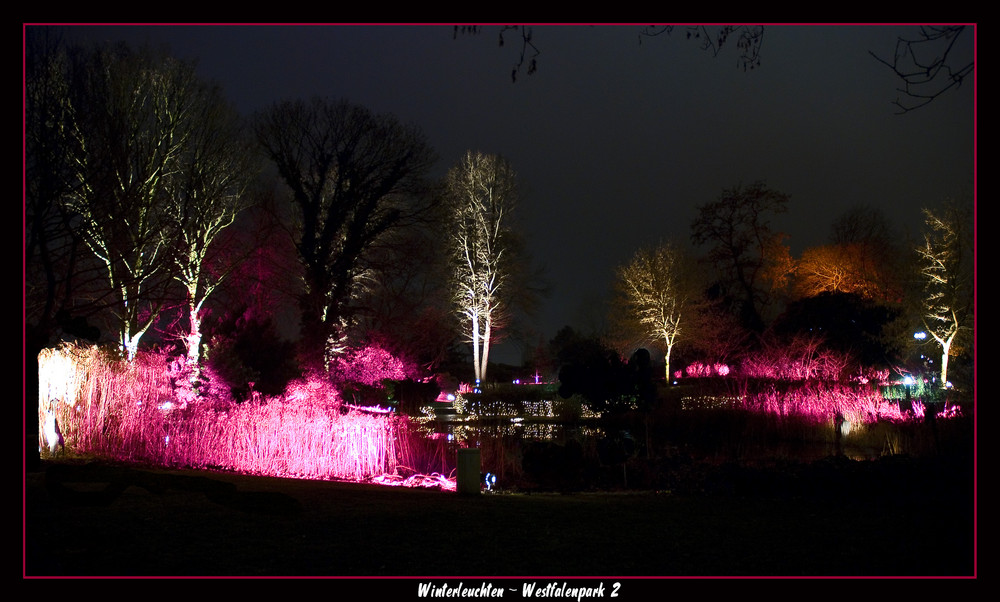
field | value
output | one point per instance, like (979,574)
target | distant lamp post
(906,405)
(921,335)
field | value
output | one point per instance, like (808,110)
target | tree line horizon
(137,170)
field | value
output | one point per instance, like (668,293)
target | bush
(369,365)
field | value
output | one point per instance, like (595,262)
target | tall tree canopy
(353,176)
(751,259)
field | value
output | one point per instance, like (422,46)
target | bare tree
(353,176)
(657,293)
(751,259)
(204,197)
(945,260)
(712,39)
(131,117)
(482,194)
(929,64)
(57,265)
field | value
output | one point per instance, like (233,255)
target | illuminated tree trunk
(670,346)
(486,352)
(194,335)
(477,364)
(945,348)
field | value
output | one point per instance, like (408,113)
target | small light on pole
(906,406)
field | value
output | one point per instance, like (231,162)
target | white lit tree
(946,257)
(204,196)
(482,192)
(657,296)
(130,119)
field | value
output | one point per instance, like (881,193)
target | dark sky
(617,143)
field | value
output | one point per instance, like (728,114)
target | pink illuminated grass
(135,411)
(825,401)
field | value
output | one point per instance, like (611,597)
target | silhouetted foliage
(712,38)
(77,326)
(60,274)
(848,324)
(751,260)
(597,373)
(928,64)
(248,353)
(353,176)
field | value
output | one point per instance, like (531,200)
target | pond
(547,451)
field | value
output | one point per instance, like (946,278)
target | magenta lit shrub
(370,365)
(700,370)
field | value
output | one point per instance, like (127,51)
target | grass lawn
(96,519)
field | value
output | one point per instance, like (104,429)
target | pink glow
(700,370)
(370,366)
(857,405)
(431,481)
(133,411)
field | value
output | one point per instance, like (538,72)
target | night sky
(617,142)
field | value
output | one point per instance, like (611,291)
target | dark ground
(836,517)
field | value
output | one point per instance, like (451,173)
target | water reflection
(470,431)
(544,448)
